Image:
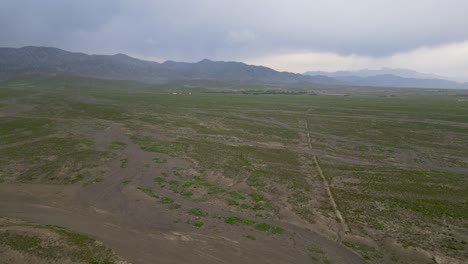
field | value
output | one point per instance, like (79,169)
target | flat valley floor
(95,171)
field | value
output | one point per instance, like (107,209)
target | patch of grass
(366,252)
(197,212)
(158,160)
(245,206)
(259,206)
(153,145)
(256,179)
(244,162)
(198,224)
(257,197)
(160,180)
(88,142)
(56,245)
(251,237)
(187,193)
(123,163)
(126,182)
(187,184)
(237,196)
(174,182)
(167,200)
(77,178)
(93,181)
(232,220)
(232,202)
(454,245)
(269,228)
(175,206)
(148,191)
(117,145)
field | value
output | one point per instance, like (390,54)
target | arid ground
(125,172)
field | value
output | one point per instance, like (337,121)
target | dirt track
(344,226)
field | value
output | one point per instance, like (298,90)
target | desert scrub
(250,237)
(167,200)
(160,181)
(237,196)
(148,191)
(117,145)
(232,202)
(196,223)
(77,178)
(55,244)
(93,181)
(232,220)
(256,197)
(187,193)
(153,145)
(197,212)
(175,206)
(158,160)
(123,163)
(125,182)
(269,228)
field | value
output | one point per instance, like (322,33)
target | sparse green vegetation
(152,145)
(126,182)
(123,163)
(175,206)
(158,160)
(238,220)
(167,200)
(368,253)
(198,223)
(197,212)
(77,178)
(269,228)
(394,158)
(257,197)
(187,193)
(117,145)
(250,237)
(148,191)
(232,202)
(93,181)
(237,196)
(51,243)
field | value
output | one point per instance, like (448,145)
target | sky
(429,36)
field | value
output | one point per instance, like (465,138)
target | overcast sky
(293,35)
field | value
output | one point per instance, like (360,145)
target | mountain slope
(28,60)
(405,73)
(390,78)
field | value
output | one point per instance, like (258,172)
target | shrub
(197,212)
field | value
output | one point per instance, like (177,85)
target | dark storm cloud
(195,29)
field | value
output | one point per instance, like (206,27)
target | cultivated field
(220,173)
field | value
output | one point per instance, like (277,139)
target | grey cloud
(193,30)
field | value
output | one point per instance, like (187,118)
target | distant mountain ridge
(48,60)
(388,77)
(405,73)
(30,60)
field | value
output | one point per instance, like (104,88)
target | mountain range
(388,77)
(49,60)
(31,60)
